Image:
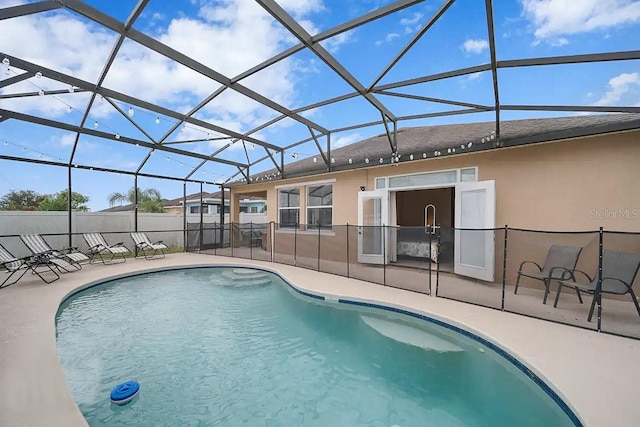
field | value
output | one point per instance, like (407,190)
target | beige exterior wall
(573,185)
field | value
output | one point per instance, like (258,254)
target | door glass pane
(472,242)
(371,230)
(380,183)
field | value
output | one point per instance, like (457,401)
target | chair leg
(635,300)
(34,270)
(555,302)
(593,305)
(579,296)
(547,284)
(92,260)
(148,257)
(113,259)
(515,291)
(13,273)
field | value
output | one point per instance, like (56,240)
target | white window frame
(306,183)
(470,167)
(308,206)
(383,180)
(458,172)
(281,208)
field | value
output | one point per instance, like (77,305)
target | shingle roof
(423,142)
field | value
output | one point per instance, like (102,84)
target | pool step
(247,276)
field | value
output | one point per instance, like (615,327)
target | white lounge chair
(71,257)
(144,245)
(19,266)
(99,246)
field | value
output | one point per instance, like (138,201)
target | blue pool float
(125,392)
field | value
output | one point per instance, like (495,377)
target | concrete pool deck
(596,374)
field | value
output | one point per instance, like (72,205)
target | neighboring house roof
(128,207)
(177,202)
(195,197)
(423,142)
(123,208)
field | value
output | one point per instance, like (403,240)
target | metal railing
(432,261)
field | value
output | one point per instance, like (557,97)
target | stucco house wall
(572,185)
(568,186)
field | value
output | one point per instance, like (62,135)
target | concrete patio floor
(596,374)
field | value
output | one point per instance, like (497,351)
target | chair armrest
(583,273)
(48,252)
(523,263)
(159,241)
(618,280)
(572,277)
(566,273)
(69,249)
(23,259)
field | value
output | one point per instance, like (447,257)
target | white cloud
(333,44)
(311,112)
(158,17)
(474,76)
(10,3)
(553,19)
(308,26)
(388,38)
(67,139)
(299,8)
(560,41)
(410,21)
(475,46)
(346,140)
(64,42)
(625,85)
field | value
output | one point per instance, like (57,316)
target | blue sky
(233,36)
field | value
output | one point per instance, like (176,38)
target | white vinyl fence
(115,227)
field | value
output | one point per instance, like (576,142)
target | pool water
(207,351)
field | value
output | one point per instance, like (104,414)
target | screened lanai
(199,102)
(103,94)
(192,98)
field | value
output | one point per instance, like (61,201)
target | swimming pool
(209,350)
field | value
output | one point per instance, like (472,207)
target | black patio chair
(619,270)
(559,260)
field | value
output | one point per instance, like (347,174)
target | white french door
(373,213)
(474,250)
